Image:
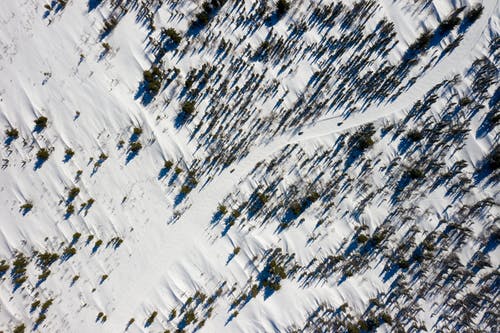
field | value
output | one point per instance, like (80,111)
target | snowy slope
(282,131)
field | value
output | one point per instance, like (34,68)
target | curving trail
(151,259)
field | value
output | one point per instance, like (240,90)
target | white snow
(164,260)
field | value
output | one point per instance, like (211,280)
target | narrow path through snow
(148,264)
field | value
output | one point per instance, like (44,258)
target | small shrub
(12,133)
(41,122)
(493,158)
(135,147)
(236,250)
(254,291)
(173,35)
(26,206)
(313,196)
(365,142)
(40,319)
(404,264)
(109,25)
(35,305)
(189,82)
(137,131)
(185,189)
(282,6)
(414,135)
(263,197)
(464,101)
(448,24)
(386,318)
(168,164)
(69,152)
(4,267)
(202,18)
(475,13)
(18,272)
(19,329)
(46,259)
(222,209)
(190,317)
(73,192)
(43,154)
(76,237)
(362,140)
(351,328)
(263,48)
(151,318)
(188,107)
(153,79)
(362,238)
(46,305)
(69,252)
(45,274)
(296,208)
(415,173)
(275,285)
(422,41)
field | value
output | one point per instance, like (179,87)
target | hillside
(249,166)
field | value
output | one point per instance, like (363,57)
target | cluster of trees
(208,10)
(153,79)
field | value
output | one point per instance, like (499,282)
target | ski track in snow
(144,274)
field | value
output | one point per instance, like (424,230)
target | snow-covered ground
(287,133)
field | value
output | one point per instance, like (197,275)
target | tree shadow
(143,94)
(24,211)
(492,119)
(181,119)
(179,198)
(95,248)
(67,158)
(130,156)
(40,281)
(488,167)
(404,181)
(66,256)
(227,227)
(9,140)
(163,173)
(272,19)
(134,137)
(93,4)
(230,257)
(39,163)
(216,217)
